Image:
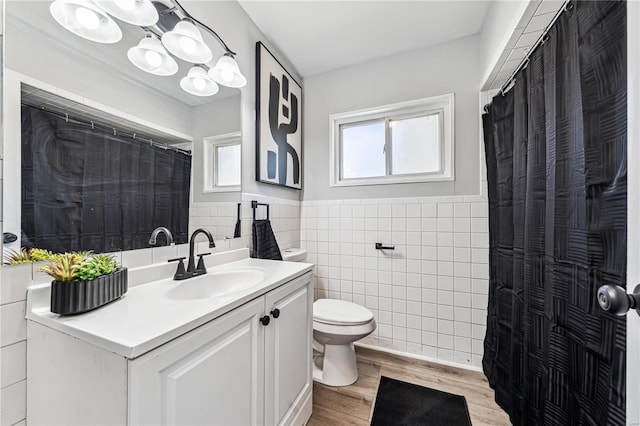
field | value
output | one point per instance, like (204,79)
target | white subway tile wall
(429,295)
(284,216)
(218,218)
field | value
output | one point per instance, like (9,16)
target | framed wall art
(278,123)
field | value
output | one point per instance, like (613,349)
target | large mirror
(98,153)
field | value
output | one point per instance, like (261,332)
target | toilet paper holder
(380,246)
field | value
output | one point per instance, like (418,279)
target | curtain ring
(92,126)
(134,135)
(114,132)
(508,87)
(66,117)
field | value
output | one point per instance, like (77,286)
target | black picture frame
(278,122)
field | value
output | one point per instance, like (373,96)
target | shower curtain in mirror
(86,189)
(556,169)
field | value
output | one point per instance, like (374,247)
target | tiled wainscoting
(284,216)
(429,295)
(13,351)
(218,218)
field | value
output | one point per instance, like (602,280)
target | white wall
(452,67)
(213,119)
(241,34)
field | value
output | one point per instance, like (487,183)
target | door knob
(615,299)
(265,320)
(275,313)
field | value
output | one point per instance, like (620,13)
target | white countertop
(145,317)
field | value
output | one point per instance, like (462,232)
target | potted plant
(84,281)
(25,255)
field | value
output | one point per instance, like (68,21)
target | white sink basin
(213,284)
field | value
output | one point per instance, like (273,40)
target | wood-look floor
(353,405)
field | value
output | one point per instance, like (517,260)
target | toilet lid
(341,312)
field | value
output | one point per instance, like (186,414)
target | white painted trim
(446,103)
(633,207)
(208,161)
(304,411)
(420,357)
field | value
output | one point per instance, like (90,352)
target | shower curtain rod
(116,132)
(525,61)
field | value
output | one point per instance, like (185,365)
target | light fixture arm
(205,27)
(150,30)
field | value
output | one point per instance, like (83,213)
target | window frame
(210,177)
(443,105)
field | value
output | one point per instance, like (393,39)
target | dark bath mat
(401,403)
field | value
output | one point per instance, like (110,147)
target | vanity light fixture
(185,42)
(197,82)
(227,72)
(150,56)
(86,20)
(136,12)
(168,25)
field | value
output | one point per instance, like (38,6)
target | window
(222,159)
(399,143)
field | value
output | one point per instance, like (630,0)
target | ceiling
(33,18)
(533,23)
(318,36)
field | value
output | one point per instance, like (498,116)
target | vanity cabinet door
(288,353)
(213,375)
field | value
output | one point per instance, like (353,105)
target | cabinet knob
(275,313)
(265,320)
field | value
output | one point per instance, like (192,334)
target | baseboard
(304,413)
(420,357)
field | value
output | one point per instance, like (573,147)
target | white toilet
(337,324)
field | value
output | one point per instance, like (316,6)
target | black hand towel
(265,245)
(236,231)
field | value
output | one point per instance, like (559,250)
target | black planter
(82,296)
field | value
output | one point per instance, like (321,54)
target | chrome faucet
(156,232)
(193,270)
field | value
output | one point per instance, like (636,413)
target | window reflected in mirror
(222,163)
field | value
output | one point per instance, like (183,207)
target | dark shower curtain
(85,189)
(556,168)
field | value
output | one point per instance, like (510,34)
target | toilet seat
(340,312)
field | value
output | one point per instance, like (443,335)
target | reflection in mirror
(222,163)
(70,182)
(92,182)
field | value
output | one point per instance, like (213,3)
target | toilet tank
(294,254)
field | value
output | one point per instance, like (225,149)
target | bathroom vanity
(229,347)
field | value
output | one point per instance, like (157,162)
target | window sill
(392,180)
(222,189)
